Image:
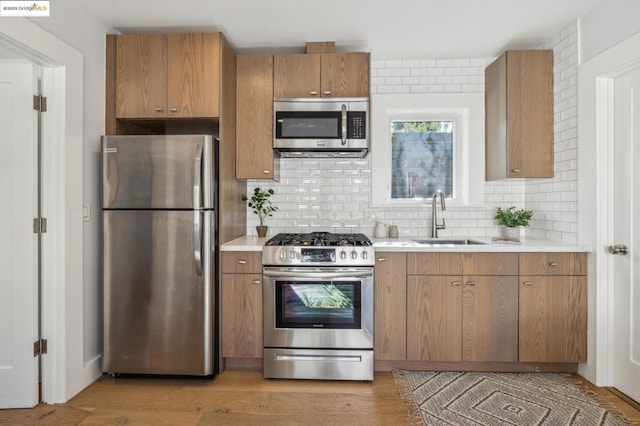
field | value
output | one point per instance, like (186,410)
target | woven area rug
(455,398)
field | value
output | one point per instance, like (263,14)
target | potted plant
(512,220)
(261,204)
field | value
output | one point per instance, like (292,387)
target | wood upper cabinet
(255,158)
(296,75)
(168,75)
(519,115)
(345,75)
(321,75)
(553,307)
(241,304)
(390,299)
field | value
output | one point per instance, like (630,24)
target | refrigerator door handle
(197,180)
(197,240)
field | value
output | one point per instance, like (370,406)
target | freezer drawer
(158,172)
(158,299)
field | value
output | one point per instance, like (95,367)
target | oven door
(310,307)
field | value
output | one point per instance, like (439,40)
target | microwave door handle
(344,124)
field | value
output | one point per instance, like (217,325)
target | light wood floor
(235,398)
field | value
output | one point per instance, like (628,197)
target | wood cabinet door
(345,75)
(241,317)
(296,75)
(193,83)
(553,318)
(141,76)
(530,113)
(390,299)
(434,318)
(254,117)
(490,318)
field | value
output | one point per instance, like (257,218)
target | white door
(18,244)
(626,267)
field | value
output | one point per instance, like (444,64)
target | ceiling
(407,29)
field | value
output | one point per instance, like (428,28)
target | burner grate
(319,239)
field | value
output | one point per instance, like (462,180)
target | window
(422,143)
(421,158)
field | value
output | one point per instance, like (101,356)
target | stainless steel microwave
(321,127)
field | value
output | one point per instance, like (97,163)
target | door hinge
(39,225)
(39,103)
(39,347)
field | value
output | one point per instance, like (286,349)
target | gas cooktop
(318,249)
(319,239)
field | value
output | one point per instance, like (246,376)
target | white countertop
(253,243)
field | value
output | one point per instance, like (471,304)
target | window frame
(466,110)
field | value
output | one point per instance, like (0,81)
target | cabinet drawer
(241,262)
(423,263)
(553,263)
(490,264)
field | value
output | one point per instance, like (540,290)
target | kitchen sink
(443,242)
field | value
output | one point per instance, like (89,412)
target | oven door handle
(316,274)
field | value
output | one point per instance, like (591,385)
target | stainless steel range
(318,306)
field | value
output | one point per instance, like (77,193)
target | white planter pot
(511,232)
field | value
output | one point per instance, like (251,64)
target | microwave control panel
(356,125)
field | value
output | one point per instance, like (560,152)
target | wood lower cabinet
(168,75)
(434,313)
(254,118)
(462,317)
(490,318)
(390,299)
(553,307)
(321,75)
(241,305)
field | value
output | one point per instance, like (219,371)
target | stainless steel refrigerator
(159,253)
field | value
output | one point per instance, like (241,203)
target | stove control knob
(292,254)
(364,255)
(283,255)
(343,254)
(354,254)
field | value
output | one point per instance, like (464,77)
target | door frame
(595,170)
(64,369)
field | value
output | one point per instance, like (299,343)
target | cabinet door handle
(266,172)
(553,263)
(242,262)
(327,92)
(456,283)
(382,259)
(313,93)
(173,109)
(515,170)
(527,283)
(157,109)
(471,283)
(256,281)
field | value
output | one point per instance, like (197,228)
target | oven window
(307,125)
(321,304)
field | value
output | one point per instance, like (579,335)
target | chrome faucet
(434,219)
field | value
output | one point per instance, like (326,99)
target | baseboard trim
(505,367)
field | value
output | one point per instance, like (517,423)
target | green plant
(511,217)
(260,203)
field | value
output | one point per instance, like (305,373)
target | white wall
(72,24)
(607,25)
